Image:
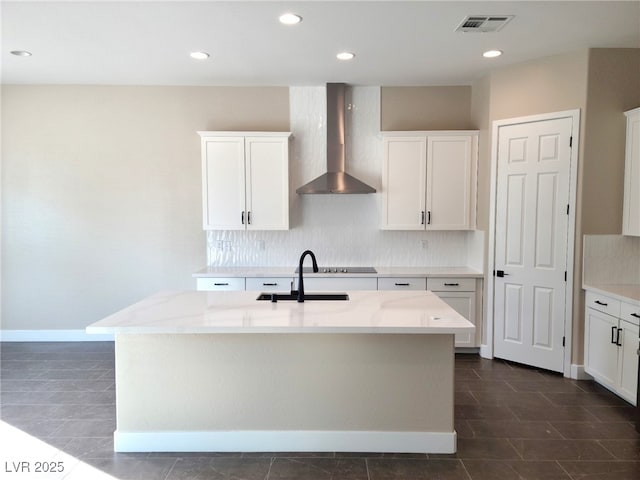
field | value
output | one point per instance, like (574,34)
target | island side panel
(284,382)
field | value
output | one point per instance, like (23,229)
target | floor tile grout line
(464,467)
(515,449)
(175,461)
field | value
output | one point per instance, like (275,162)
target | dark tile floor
(512,422)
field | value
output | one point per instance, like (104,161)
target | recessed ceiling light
(345,56)
(492,53)
(21,53)
(290,18)
(199,55)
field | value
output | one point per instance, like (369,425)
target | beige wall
(613,88)
(101,193)
(425,108)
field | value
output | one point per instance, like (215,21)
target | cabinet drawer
(451,284)
(602,303)
(220,284)
(397,283)
(269,284)
(630,313)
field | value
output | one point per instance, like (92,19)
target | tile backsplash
(340,229)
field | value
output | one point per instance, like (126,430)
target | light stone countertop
(195,312)
(629,293)
(418,272)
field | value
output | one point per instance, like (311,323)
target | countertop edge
(278,331)
(619,292)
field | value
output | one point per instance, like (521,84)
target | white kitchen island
(221,371)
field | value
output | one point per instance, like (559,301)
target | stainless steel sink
(275,297)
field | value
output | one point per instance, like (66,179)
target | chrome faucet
(300,277)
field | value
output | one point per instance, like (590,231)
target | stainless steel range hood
(335,180)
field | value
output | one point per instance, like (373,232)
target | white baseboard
(52,336)
(578,373)
(285,441)
(486,352)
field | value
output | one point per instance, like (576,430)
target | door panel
(546,210)
(543,317)
(514,232)
(513,308)
(531,242)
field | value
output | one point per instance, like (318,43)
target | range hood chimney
(335,180)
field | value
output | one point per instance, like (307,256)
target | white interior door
(531,231)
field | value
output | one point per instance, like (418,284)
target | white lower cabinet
(459,294)
(220,284)
(610,347)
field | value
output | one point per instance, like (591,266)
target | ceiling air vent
(483,23)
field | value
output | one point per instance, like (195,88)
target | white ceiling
(395,42)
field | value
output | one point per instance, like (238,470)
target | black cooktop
(338,270)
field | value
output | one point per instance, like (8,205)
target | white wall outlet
(424,244)
(261,245)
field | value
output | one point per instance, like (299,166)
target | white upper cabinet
(245,180)
(404,172)
(631,209)
(429,180)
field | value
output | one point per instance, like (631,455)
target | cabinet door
(600,350)
(267,183)
(223,182)
(628,361)
(631,210)
(465,304)
(403,183)
(451,182)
